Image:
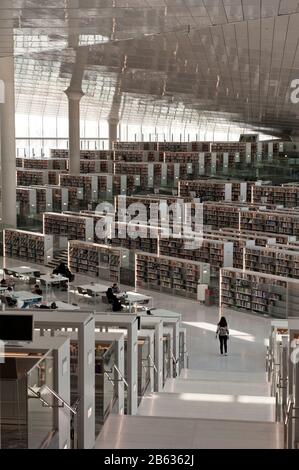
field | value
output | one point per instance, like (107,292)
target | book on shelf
(73,227)
(30,246)
(259,292)
(95,259)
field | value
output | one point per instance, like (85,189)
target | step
(140,432)
(209,406)
(224,375)
(181,385)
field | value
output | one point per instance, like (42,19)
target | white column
(74,98)
(7,139)
(112,132)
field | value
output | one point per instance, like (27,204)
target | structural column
(74,98)
(7,139)
(112,132)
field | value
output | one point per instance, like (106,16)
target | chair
(91,294)
(82,291)
(43,282)
(32,281)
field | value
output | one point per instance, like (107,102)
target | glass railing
(144,367)
(105,389)
(167,358)
(27,413)
(41,404)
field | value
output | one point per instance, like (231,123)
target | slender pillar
(74,98)
(7,139)
(112,132)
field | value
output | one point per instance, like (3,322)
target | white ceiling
(160,62)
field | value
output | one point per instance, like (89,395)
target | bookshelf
(33,177)
(138,156)
(175,146)
(84,154)
(26,177)
(26,201)
(135,146)
(287,196)
(221,215)
(280,262)
(96,166)
(214,190)
(280,222)
(172,275)
(68,226)
(266,294)
(96,260)
(30,246)
(214,252)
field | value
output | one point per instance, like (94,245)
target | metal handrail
(122,379)
(289,416)
(186,353)
(175,361)
(121,375)
(58,397)
(153,365)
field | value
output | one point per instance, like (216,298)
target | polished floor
(138,432)
(221,401)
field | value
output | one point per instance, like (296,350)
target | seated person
(37,290)
(53,306)
(110,296)
(63,270)
(11,302)
(115,289)
(3,282)
(9,292)
(116,304)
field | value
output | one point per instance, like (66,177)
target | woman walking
(223,335)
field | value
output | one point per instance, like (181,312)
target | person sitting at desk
(116,304)
(110,295)
(115,289)
(11,302)
(113,300)
(37,290)
(64,271)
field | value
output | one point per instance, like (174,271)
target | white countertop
(97,288)
(52,278)
(25,295)
(22,270)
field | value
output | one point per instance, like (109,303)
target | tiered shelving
(71,227)
(266,294)
(30,246)
(287,196)
(171,275)
(95,260)
(280,262)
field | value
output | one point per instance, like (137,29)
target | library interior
(149,224)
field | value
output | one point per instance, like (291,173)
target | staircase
(200,410)
(59,257)
(213,395)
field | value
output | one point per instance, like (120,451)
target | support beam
(112,132)
(74,98)
(7,139)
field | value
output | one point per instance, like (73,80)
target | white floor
(226,395)
(138,432)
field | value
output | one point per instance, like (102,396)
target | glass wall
(36,135)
